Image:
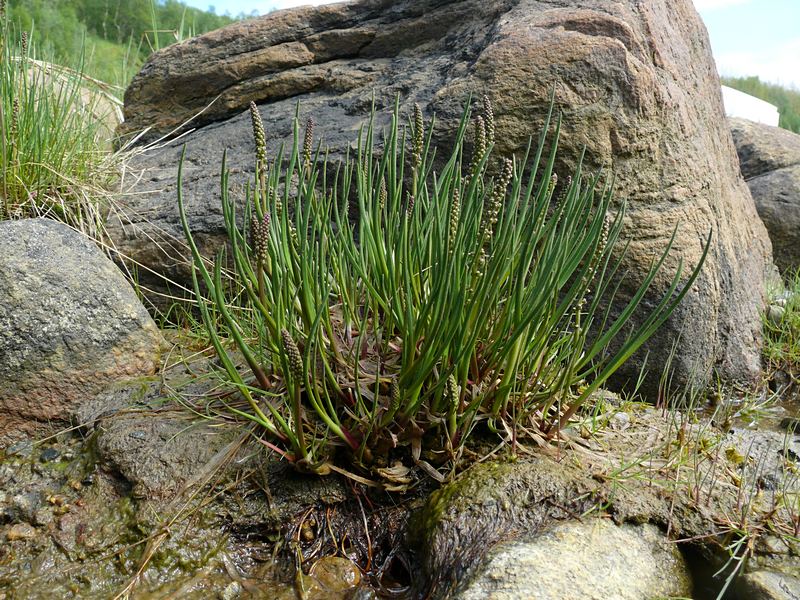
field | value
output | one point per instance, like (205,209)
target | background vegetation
(782,328)
(55,152)
(110,37)
(787,100)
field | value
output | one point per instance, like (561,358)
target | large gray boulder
(490,504)
(635,82)
(592,560)
(70,324)
(770,162)
(768,585)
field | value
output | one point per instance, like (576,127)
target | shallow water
(766,412)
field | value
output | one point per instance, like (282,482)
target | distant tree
(126,30)
(56,28)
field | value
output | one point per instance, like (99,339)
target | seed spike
(14,119)
(410,207)
(260,140)
(455,213)
(418,138)
(451,392)
(497,197)
(394,395)
(488,116)
(259,234)
(308,143)
(292,355)
(552,186)
(479,148)
(383,194)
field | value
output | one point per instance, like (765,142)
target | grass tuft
(455,300)
(782,328)
(55,154)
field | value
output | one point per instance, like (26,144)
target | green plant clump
(782,329)
(454,299)
(55,153)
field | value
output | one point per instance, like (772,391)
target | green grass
(64,69)
(782,328)
(55,153)
(113,38)
(463,298)
(110,62)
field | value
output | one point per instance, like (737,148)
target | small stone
(608,397)
(22,449)
(20,531)
(7,475)
(335,574)
(232,590)
(49,455)
(768,482)
(605,561)
(780,381)
(775,314)
(24,506)
(57,500)
(620,421)
(42,517)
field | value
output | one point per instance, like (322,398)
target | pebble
(43,517)
(49,455)
(335,574)
(780,381)
(6,475)
(24,506)
(620,421)
(775,314)
(20,531)
(768,482)
(232,590)
(22,449)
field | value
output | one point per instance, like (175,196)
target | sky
(748,37)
